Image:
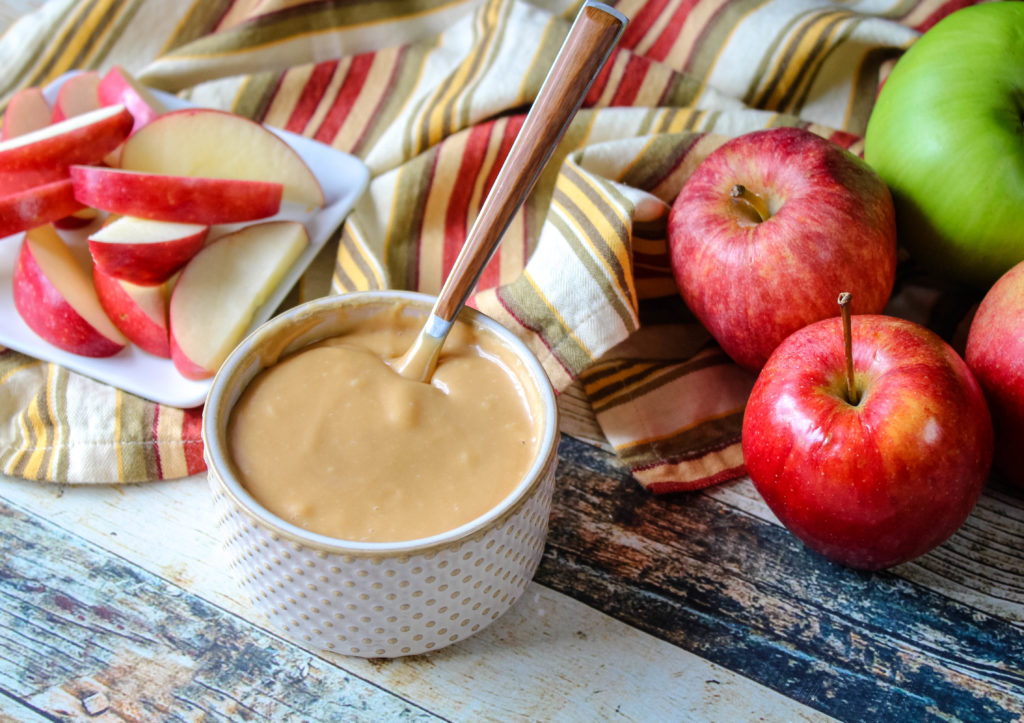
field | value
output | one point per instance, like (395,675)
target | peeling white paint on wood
(550,657)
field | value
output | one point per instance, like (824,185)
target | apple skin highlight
(880,483)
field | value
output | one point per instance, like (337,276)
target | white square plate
(343,178)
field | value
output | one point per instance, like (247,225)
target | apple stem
(844,310)
(750,201)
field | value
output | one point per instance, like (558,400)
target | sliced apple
(216,144)
(27,111)
(143,251)
(56,298)
(119,86)
(79,94)
(183,199)
(79,219)
(46,154)
(138,312)
(219,290)
(36,206)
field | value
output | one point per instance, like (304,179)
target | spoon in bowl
(593,35)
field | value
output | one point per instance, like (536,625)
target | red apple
(220,289)
(770,228)
(77,95)
(181,199)
(119,86)
(46,154)
(145,252)
(216,144)
(36,206)
(56,298)
(27,111)
(995,353)
(138,312)
(879,479)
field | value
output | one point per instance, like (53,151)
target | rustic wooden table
(115,605)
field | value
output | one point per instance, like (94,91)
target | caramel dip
(334,440)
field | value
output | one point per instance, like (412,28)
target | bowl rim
(221,469)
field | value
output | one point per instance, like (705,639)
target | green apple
(947,135)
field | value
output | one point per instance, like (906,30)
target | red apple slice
(139,312)
(56,298)
(145,252)
(79,219)
(36,206)
(77,95)
(27,111)
(119,86)
(182,199)
(45,155)
(213,143)
(220,289)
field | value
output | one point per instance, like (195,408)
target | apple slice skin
(145,264)
(36,159)
(45,310)
(881,482)
(79,219)
(119,86)
(125,312)
(78,95)
(182,199)
(36,206)
(27,111)
(229,146)
(832,229)
(185,366)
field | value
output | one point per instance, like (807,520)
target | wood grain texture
(725,591)
(86,636)
(981,565)
(746,594)
(549,658)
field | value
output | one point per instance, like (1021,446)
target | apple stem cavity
(750,202)
(852,396)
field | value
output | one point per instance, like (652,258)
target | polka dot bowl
(375,599)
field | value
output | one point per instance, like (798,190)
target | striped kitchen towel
(430,94)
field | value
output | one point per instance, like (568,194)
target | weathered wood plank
(86,636)
(549,658)
(12,709)
(746,594)
(982,565)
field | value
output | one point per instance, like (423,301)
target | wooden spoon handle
(589,43)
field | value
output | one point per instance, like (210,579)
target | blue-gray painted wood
(746,594)
(84,633)
(81,627)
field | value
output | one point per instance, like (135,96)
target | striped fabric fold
(431,94)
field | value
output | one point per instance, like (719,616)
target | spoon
(590,41)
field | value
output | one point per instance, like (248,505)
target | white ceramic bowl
(375,599)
